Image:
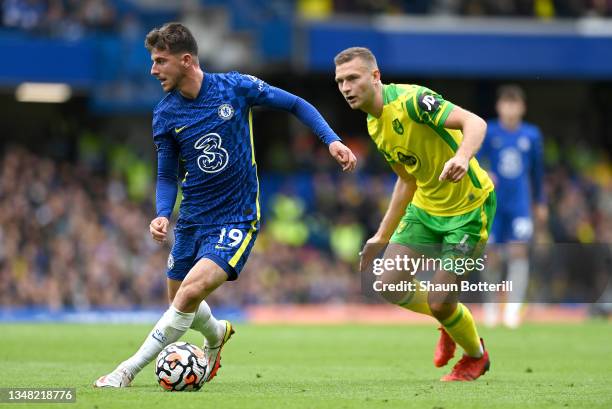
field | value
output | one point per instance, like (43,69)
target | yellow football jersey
(411,131)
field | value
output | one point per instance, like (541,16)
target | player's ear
(187,60)
(375,75)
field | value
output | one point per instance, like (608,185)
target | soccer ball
(181,367)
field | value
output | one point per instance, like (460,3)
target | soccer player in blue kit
(205,121)
(512,155)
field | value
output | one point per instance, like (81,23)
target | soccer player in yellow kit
(442,197)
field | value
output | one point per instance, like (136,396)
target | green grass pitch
(348,366)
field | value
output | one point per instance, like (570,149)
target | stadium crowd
(65,18)
(75,233)
(74,18)
(506,8)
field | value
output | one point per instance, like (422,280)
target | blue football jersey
(515,160)
(212,136)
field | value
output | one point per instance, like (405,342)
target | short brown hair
(173,37)
(356,52)
(511,92)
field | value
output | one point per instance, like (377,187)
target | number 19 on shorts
(235,237)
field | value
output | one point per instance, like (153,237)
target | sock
(416,301)
(462,329)
(208,325)
(518,275)
(170,327)
(491,312)
(492,275)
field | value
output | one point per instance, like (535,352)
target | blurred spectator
(97,14)
(544,9)
(65,18)
(23,14)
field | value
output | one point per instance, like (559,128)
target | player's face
(511,110)
(356,82)
(167,68)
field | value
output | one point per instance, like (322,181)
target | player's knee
(394,297)
(393,290)
(518,251)
(189,295)
(441,310)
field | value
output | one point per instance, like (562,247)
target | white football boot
(121,377)
(213,354)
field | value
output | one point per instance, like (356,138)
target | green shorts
(464,235)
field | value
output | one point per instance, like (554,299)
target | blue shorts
(227,245)
(512,225)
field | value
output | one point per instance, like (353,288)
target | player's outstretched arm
(311,117)
(167,185)
(277,98)
(474,129)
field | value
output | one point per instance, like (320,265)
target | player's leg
(414,240)
(173,322)
(466,240)
(172,286)
(417,299)
(411,240)
(204,321)
(201,280)
(493,271)
(228,248)
(518,268)
(455,317)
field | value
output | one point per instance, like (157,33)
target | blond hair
(356,52)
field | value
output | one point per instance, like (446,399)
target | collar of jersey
(372,117)
(203,86)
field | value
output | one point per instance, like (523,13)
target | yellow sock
(462,329)
(417,301)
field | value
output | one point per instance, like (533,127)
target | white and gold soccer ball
(181,367)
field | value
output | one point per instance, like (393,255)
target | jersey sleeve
(167,173)
(428,107)
(254,90)
(260,93)
(160,122)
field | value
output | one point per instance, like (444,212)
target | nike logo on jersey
(178,130)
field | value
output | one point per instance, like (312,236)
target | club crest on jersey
(225,112)
(398,127)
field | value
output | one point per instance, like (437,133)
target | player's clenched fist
(454,169)
(343,155)
(159,228)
